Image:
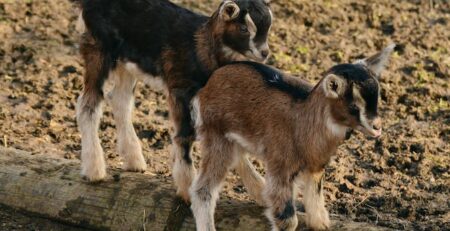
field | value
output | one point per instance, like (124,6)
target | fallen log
(52,188)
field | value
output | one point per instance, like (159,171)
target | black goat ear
(377,63)
(229,10)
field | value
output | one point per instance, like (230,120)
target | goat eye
(244,29)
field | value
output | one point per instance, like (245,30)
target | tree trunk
(52,188)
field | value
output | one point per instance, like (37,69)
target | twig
(357,205)
(143,221)
(5,141)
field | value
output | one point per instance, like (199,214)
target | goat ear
(377,62)
(229,10)
(333,86)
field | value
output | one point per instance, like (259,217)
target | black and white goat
(158,40)
(292,126)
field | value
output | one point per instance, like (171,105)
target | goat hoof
(95,176)
(135,169)
(320,221)
(136,166)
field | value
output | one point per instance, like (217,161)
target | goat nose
(265,53)
(376,124)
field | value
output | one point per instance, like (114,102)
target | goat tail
(92,21)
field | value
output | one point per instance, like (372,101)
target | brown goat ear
(229,10)
(333,86)
(377,63)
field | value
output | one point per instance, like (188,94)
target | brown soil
(400,181)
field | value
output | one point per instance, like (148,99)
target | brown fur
(242,119)
(292,126)
(288,145)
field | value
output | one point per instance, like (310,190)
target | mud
(400,180)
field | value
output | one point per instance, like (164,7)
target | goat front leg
(183,136)
(279,197)
(316,214)
(122,101)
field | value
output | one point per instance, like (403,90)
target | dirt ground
(400,180)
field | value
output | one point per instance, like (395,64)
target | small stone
(417,148)
(345,188)
(393,149)
(116,177)
(69,156)
(70,69)
(403,213)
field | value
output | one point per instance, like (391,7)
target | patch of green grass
(440,105)
(423,76)
(302,50)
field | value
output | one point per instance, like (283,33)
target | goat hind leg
(183,170)
(217,158)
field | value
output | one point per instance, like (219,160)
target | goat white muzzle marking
(370,129)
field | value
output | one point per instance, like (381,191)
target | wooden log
(52,188)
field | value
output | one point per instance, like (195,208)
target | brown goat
(292,126)
(158,42)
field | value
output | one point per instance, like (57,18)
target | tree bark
(52,188)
